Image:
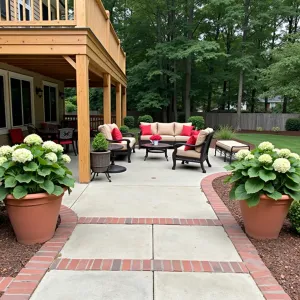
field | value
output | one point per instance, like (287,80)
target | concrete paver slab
(193,243)
(205,286)
(110,241)
(143,201)
(95,285)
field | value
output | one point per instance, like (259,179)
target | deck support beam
(83,111)
(119,104)
(107,98)
(124,104)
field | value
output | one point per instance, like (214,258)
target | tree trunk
(253,94)
(266,104)
(284,104)
(209,97)
(175,96)
(240,97)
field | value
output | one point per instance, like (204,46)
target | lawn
(280,141)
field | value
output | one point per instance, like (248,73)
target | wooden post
(124,104)
(107,98)
(80,13)
(118,104)
(83,112)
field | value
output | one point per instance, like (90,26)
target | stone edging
(262,276)
(23,286)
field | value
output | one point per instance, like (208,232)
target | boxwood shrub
(124,129)
(294,215)
(197,121)
(145,119)
(129,121)
(292,124)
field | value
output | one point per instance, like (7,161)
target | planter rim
(284,198)
(33,196)
(97,152)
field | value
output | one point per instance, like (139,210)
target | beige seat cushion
(167,138)
(124,143)
(165,128)
(181,139)
(105,129)
(200,140)
(145,137)
(179,127)
(227,145)
(112,126)
(188,153)
(153,126)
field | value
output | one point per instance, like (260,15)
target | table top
(115,147)
(159,146)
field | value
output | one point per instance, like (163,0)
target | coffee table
(160,148)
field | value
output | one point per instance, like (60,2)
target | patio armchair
(32,129)
(193,155)
(66,137)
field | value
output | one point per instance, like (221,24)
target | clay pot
(33,217)
(265,220)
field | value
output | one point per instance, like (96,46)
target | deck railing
(65,13)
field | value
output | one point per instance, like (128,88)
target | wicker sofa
(128,142)
(170,133)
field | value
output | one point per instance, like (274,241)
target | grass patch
(280,141)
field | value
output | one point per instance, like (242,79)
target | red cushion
(195,132)
(116,134)
(187,130)
(146,129)
(16,135)
(192,141)
(65,142)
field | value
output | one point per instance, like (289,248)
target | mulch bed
(281,256)
(14,256)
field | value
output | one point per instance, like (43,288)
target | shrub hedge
(145,119)
(294,215)
(129,121)
(292,124)
(197,121)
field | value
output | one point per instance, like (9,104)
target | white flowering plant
(264,171)
(34,167)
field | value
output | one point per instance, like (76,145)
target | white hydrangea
(281,165)
(284,153)
(276,150)
(3,159)
(33,139)
(49,145)
(265,159)
(242,154)
(51,157)
(295,155)
(249,157)
(15,147)
(266,146)
(66,158)
(22,155)
(6,151)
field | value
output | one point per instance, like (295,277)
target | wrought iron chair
(66,137)
(32,129)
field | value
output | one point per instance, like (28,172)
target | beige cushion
(112,126)
(227,145)
(180,138)
(200,140)
(124,143)
(167,138)
(179,127)
(188,153)
(145,137)
(153,126)
(105,129)
(165,128)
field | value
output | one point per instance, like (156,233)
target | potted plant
(155,139)
(34,178)
(266,181)
(100,157)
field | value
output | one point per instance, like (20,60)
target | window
(50,102)
(2,103)
(27,10)
(3,8)
(21,100)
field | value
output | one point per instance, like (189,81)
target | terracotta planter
(265,220)
(33,217)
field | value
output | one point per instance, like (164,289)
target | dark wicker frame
(231,152)
(203,155)
(142,143)
(127,151)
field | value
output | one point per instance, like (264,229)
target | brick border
(148,265)
(262,276)
(149,221)
(5,282)
(23,286)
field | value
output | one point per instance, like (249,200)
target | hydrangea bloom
(276,150)
(3,159)
(51,157)
(295,155)
(284,153)
(33,139)
(249,156)
(266,146)
(265,159)
(66,158)
(242,154)
(281,165)
(49,145)
(22,155)
(15,147)
(6,151)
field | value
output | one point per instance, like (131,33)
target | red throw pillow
(146,129)
(192,141)
(116,134)
(195,132)
(187,130)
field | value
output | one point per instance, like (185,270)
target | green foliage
(145,119)
(35,168)
(292,124)
(100,144)
(129,121)
(197,121)
(224,133)
(124,129)
(294,215)
(264,171)
(70,107)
